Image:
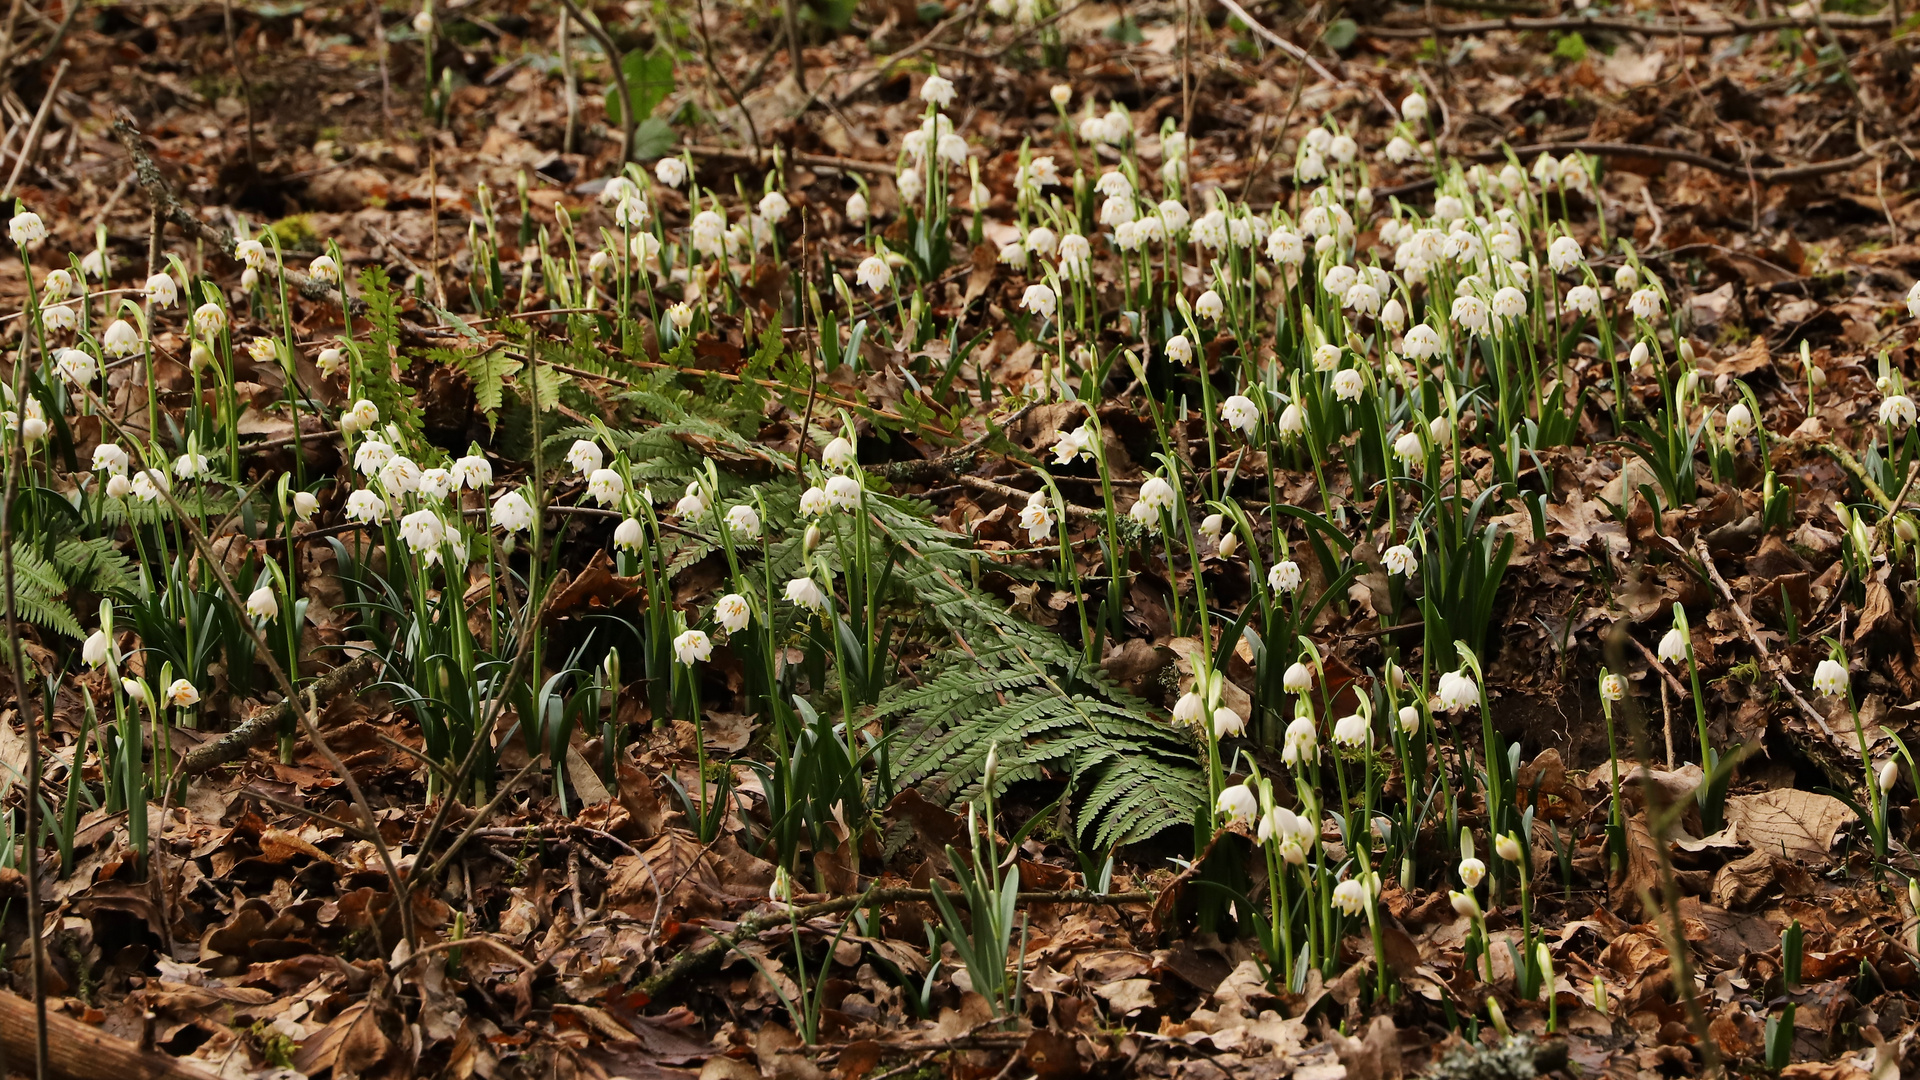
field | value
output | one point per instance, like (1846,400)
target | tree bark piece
(263,725)
(77,1051)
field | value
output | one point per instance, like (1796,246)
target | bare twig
(59,35)
(246,84)
(713,71)
(172,211)
(1646,196)
(1649,27)
(572,80)
(1657,256)
(262,725)
(1775,175)
(6,36)
(1015,495)
(799,61)
(886,66)
(17,670)
(32,143)
(1747,630)
(628,121)
(498,948)
(1299,54)
(484,813)
(1654,665)
(1011,43)
(695,959)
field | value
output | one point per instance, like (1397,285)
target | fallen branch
(1852,464)
(170,210)
(32,141)
(886,66)
(264,725)
(160,193)
(1772,663)
(1279,42)
(1651,27)
(926,472)
(616,69)
(1015,496)
(80,1051)
(715,950)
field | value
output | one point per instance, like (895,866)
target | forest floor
(685,843)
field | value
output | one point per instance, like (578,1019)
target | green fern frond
(207,502)
(33,573)
(97,565)
(996,680)
(38,589)
(374,363)
(487,369)
(50,613)
(1132,775)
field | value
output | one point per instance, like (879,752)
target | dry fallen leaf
(1794,824)
(1127,996)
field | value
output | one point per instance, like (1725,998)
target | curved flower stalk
(1613,690)
(1207,408)
(1530,976)
(1302,921)
(1067,574)
(1466,689)
(1830,679)
(274,606)
(1677,647)
(1410,728)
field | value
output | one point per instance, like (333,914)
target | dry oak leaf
(1051,1055)
(1236,1028)
(1127,996)
(1546,777)
(1789,822)
(676,868)
(1642,877)
(1744,881)
(355,1044)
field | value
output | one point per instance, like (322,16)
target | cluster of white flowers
(1156,500)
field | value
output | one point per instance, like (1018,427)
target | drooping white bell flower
(692,647)
(512,513)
